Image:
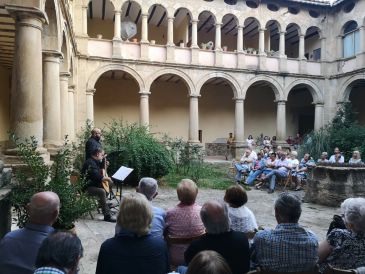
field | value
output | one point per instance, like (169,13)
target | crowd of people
(218,237)
(268,165)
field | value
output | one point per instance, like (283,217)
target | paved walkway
(94,232)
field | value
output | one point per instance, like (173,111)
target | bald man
(19,248)
(93,143)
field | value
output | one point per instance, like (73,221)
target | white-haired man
(19,248)
(149,188)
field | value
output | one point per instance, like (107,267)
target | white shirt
(333,159)
(242,219)
(249,142)
(293,163)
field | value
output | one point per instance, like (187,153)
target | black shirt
(91,145)
(232,245)
(92,172)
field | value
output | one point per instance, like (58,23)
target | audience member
(230,142)
(266,141)
(18,249)
(337,157)
(257,170)
(59,253)
(233,246)
(301,171)
(183,221)
(294,162)
(273,141)
(356,158)
(288,247)
(266,152)
(269,166)
(250,141)
(208,262)
(290,140)
(93,143)
(324,158)
(134,249)
(245,163)
(94,180)
(149,188)
(281,170)
(345,248)
(297,140)
(241,217)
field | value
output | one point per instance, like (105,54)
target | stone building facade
(276,67)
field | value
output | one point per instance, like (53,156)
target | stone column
(117,25)
(170,31)
(144,38)
(218,38)
(282,44)
(323,49)
(261,41)
(281,121)
(51,98)
(64,104)
(194,119)
(301,47)
(90,104)
(239,39)
(26,111)
(144,109)
(239,125)
(71,105)
(318,116)
(84,20)
(194,33)
(339,47)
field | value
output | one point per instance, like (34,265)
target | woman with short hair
(345,248)
(356,158)
(133,249)
(208,262)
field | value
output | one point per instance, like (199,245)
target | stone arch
(273,83)
(189,83)
(343,94)
(93,78)
(277,21)
(231,81)
(312,87)
(52,34)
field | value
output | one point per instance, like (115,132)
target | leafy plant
(37,176)
(78,147)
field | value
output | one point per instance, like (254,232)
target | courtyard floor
(94,232)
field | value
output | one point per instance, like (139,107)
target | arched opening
(312,44)
(251,35)
(100,23)
(260,110)
(116,97)
(216,107)
(272,37)
(300,111)
(351,39)
(131,12)
(50,30)
(357,99)
(206,29)
(229,32)
(182,27)
(64,65)
(169,106)
(157,25)
(292,41)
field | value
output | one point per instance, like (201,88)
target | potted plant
(37,176)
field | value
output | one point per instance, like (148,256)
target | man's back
(91,145)
(287,248)
(19,248)
(232,245)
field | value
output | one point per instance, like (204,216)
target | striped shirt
(287,248)
(48,270)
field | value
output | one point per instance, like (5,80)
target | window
(351,40)
(317,54)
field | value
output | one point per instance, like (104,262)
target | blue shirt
(48,270)
(19,248)
(287,248)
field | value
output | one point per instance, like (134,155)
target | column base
(262,61)
(195,56)
(218,56)
(13,160)
(241,61)
(117,48)
(145,50)
(238,148)
(283,64)
(303,66)
(53,148)
(170,53)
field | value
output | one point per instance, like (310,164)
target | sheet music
(122,173)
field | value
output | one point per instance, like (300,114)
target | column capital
(282,32)
(144,14)
(194,21)
(322,38)
(192,96)
(171,18)
(239,99)
(218,25)
(144,93)
(262,29)
(318,104)
(239,27)
(84,7)
(71,88)
(91,92)
(64,76)
(280,102)
(20,12)
(52,53)
(117,12)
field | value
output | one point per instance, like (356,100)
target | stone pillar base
(303,66)
(262,61)
(218,58)
(360,60)
(11,158)
(195,56)
(241,62)
(53,148)
(238,149)
(145,51)
(170,54)
(117,48)
(283,64)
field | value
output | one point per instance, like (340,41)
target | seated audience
(18,249)
(324,158)
(245,163)
(266,153)
(297,140)
(134,249)
(290,140)
(183,221)
(273,141)
(301,172)
(269,166)
(266,141)
(208,262)
(257,170)
(250,141)
(148,187)
(59,253)
(337,157)
(94,179)
(242,219)
(294,162)
(345,248)
(281,170)
(356,158)
(288,247)
(233,246)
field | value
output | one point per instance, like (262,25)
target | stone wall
(331,185)
(215,149)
